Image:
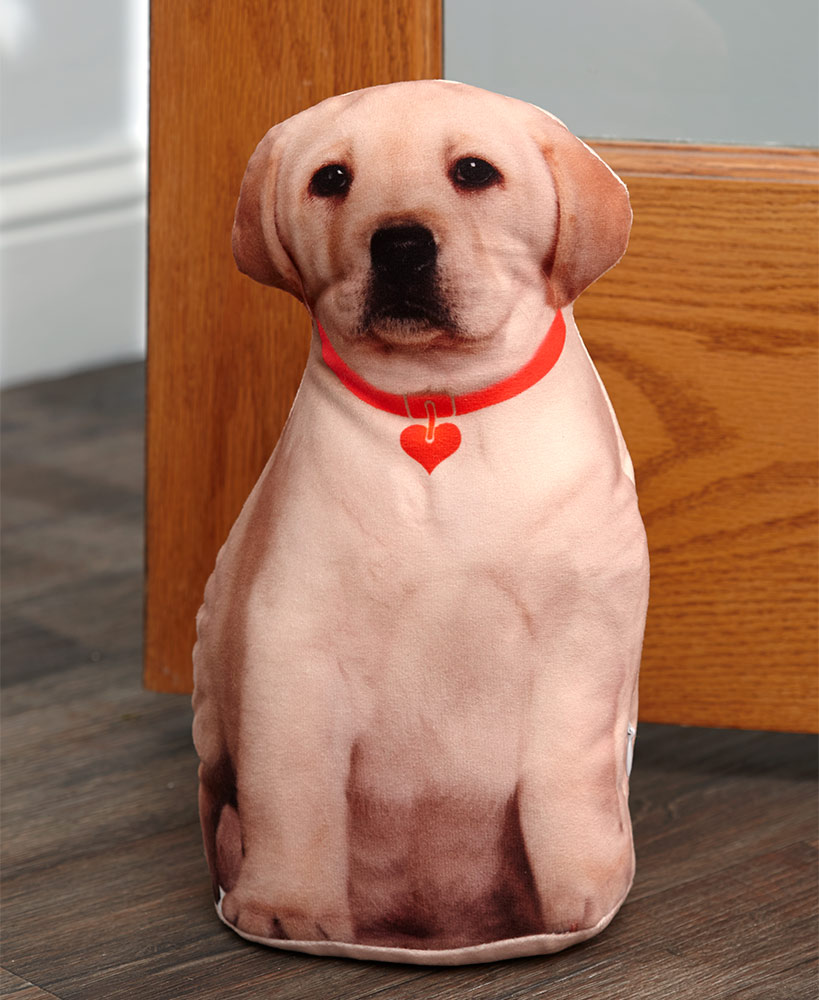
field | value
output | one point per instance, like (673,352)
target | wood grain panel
(226,356)
(706,337)
(751,163)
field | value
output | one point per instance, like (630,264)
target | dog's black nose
(402,252)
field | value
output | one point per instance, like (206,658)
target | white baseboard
(72,262)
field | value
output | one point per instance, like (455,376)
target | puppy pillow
(416,667)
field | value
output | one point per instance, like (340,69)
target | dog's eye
(470,172)
(329,181)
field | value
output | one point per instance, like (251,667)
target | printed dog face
(427,214)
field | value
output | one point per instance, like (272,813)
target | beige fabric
(414,688)
(519,947)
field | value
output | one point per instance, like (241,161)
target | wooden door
(225,356)
(705,335)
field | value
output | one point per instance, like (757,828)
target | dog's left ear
(594,214)
(257,246)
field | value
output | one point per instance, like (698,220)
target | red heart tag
(430,452)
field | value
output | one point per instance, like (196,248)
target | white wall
(713,71)
(73,81)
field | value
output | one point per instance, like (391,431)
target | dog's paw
(569,908)
(249,915)
(288,923)
(295,926)
(567,913)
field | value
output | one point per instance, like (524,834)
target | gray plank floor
(105,892)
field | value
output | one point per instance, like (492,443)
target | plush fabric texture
(417,657)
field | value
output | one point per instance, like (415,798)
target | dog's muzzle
(403,255)
(404,286)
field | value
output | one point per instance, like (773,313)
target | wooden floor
(105,892)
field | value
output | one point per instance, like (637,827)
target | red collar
(416,405)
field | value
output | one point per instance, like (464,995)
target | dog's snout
(403,251)
(404,285)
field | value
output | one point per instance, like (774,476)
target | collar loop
(414,405)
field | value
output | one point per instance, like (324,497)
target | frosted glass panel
(714,71)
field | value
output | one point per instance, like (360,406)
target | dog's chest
(438,581)
(481,562)
(531,481)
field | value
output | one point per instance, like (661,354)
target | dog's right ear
(594,211)
(257,248)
